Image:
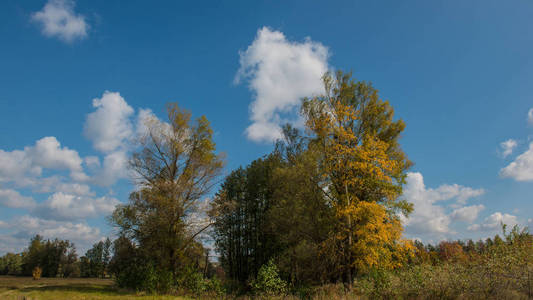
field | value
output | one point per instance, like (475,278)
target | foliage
(11,264)
(363,169)
(501,270)
(318,218)
(240,212)
(175,166)
(36,273)
(95,263)
(55,258)
(191,281)
(268,280)
(325,203)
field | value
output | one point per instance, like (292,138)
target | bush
(194,282)
(36,273)
(268,280)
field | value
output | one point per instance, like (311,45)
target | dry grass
(67,288)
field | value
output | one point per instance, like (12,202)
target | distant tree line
(57,258)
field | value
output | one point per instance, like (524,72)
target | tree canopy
(175,166)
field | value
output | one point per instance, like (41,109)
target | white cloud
(109,126)
(144,116)
(75,189)
(494,221)
(467,213)
(508,147)
(428,216)
(459,192)
(62,206)
(23,167)
(22,228)
(58,19)
(92,162)
(47,153)
(521,169)
(45,168)
(13,199)
(115,167)
(15,164)
(530,116)
(279,73)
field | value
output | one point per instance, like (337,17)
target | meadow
(15,287)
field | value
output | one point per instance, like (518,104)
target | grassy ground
(67,288)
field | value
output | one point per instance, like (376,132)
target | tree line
(323,208)
(58,258)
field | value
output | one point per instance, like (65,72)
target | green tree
(176,166)
(55,257)
(11,264)
(240,212)
(95,263)
(301,215)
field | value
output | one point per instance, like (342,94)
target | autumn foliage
(325,205)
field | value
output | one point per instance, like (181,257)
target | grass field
(67,288)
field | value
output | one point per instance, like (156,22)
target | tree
(54,257)
(364,169)
(11,264)
(241,219)
(95,263)
(301,215)
(176,166)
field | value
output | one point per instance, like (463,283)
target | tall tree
(240,213)
(364,168)
(176,166)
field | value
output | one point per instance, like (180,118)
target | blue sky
(76,78)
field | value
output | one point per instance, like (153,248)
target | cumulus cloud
(494,221)
(521,169)
(115,167)
(109,126)
(51,168)
(467,213)
(14,165)
(279,72)
(58,19)
(429,217)
(48,153)
(22,228)
(13,199)
(75,189)
(508,147)
(63,206)
(92,162)
(23,166)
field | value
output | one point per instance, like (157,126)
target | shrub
(268,280)
(36,273)
(194,282)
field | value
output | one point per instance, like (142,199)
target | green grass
(68,288)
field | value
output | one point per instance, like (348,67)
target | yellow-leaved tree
(364,168)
